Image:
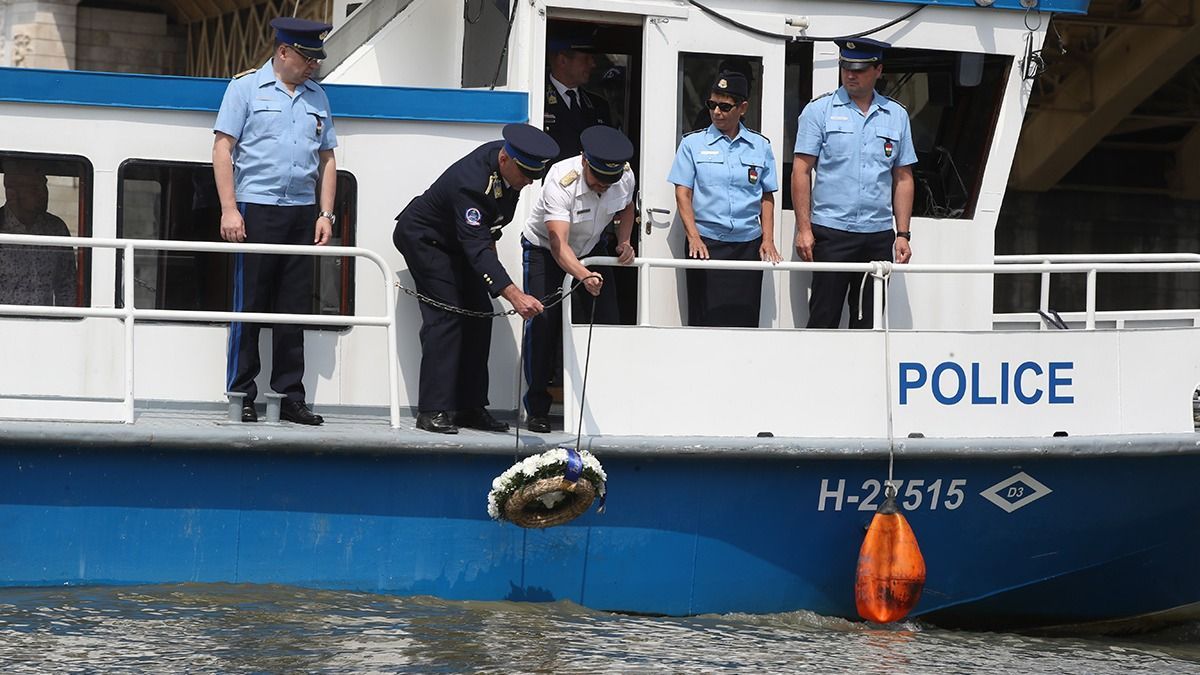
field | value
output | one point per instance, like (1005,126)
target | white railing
(1091,265)
(129,314)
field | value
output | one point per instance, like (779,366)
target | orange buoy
(891,571)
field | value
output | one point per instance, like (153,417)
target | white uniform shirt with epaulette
(855,153)
(279,136)
(567,197)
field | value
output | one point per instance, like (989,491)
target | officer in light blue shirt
(725,180)
(273,163)
(860,143)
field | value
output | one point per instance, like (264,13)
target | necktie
(573,102)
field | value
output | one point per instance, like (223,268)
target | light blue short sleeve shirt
(278,137)
(855,153)
(728,178)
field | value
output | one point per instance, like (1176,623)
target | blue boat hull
(1111,536)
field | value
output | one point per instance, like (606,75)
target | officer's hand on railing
(233,228)
(593,282)
(768,253)
(696,248)
(624,253)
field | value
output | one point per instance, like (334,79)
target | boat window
(697,72)
(178,201)
(485,36)
(797,92)
(47,195)
(953,100)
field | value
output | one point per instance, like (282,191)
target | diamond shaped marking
(1016,491)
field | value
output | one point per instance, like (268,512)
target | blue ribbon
(574,466)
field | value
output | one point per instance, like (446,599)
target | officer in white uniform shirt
(580,197)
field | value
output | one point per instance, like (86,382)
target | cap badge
(323,35)
(473,217)
(850,45)
(723,84)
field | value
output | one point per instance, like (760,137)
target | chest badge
(887,148)
(752,174)
(551,99)
(320,127)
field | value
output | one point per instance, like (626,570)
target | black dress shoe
(539,424)
(248,413)
(479,418)
(298,412)
(437,422)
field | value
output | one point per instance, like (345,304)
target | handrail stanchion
(393,349)
(1044,295)
(1091,299)
(877,301)
(127,296)
(643,281)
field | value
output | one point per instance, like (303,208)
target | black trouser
(829,289)
(543,333)
(271,283)
(726,297)
(454,348)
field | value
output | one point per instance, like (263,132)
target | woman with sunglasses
(725,179)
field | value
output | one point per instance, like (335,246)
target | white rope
(883,270)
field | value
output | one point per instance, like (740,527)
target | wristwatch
(907,235)
(328,214)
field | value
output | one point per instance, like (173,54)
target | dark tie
(573,101)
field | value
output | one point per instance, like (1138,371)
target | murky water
(232,629)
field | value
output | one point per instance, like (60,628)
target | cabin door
(682,58)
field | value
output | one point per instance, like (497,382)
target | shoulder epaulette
(895,101)
(570,177)
(828,93)
(695,132)
(756,132)
(243,73)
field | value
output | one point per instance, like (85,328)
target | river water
(222,628)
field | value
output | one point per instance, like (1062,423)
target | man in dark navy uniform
(569,108)
(276,176)
(447,237)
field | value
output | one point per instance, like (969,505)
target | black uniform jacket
(463,211)
(564,124)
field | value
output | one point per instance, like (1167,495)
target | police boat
(1045,460)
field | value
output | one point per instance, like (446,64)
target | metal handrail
(1044,265)
(129,314)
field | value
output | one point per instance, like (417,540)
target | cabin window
(178,201)
(485,38)
(797,92)
(697,72)
(46,195)
(953,100)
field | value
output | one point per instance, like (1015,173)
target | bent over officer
(273,151)
(447,236)
(860,143)
(579,199)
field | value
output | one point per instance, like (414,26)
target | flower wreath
(549,489)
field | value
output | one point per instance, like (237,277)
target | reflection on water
(226,628)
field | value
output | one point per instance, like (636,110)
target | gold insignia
(723,84)
(552,99)
(850,45)
(569,178)
(323,36)
(494,186)
(243,73)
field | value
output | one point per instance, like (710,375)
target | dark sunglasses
(725,107)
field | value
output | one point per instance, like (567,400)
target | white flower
(505,483)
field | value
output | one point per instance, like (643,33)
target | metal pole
(643,293)
(393,349)
(1044,291)
(127,296)
(1091,299)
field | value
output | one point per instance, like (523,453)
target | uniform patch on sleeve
(473,217)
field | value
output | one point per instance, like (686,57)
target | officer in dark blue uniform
(569,108)
(276,176)
(447,236)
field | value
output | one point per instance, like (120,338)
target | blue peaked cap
(860,53)
(530,147)
(307,37)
